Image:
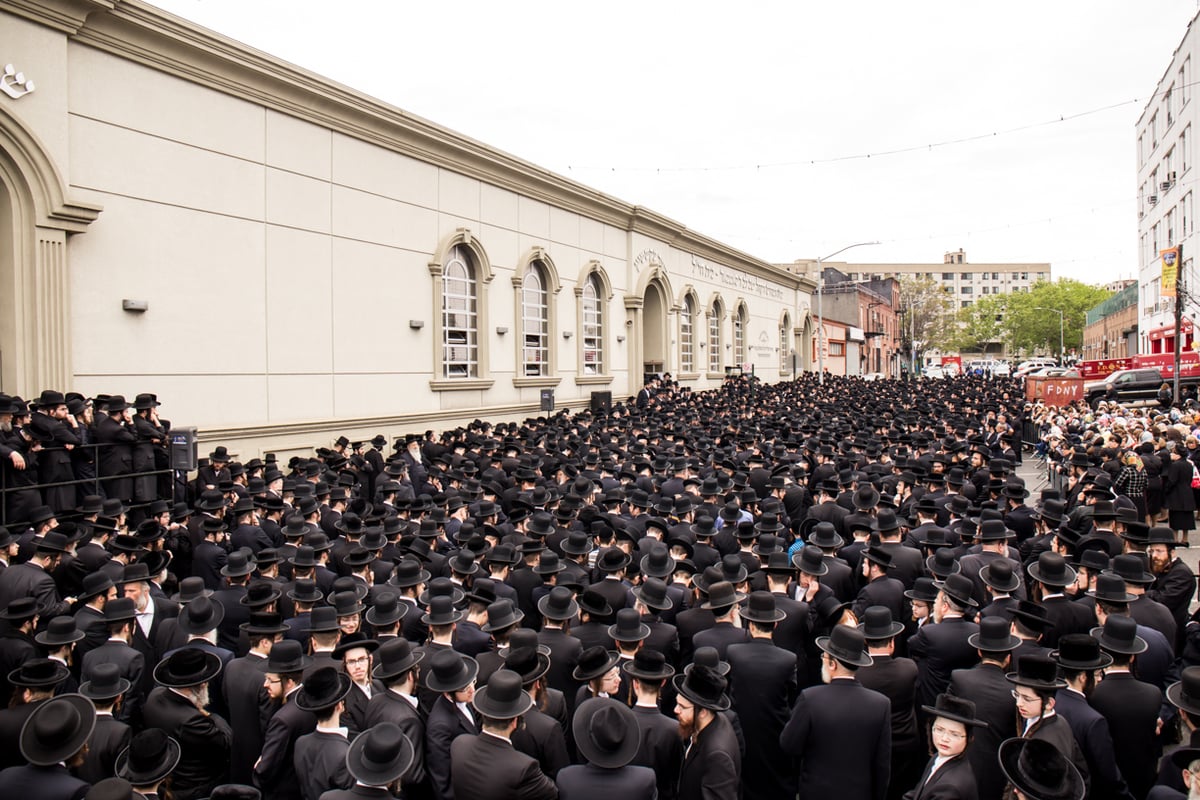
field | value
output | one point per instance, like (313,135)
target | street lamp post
(1062,354)
(821,306)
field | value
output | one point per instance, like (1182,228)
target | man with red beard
(1174,582)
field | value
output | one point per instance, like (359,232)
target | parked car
(1025,367)
(933,371)
(1002,369)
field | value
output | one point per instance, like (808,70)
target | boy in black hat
(320,756)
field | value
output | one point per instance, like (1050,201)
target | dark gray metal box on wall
(183,449)
(547,399)
(601,401)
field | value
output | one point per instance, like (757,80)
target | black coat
(1092,735)
(840,734)
(1131,708)
(115,456)
(564,656)
(470,640)
(840,579)
(763,687)
(661,749)
(41,783)
(133,668)
(445,724)
(541,738)
(274,773)
(883,591)
(387,706)
(320,761)
(108,739)
(30,580)
(1177,485)
(250,710)
(939,649)
(1057,731)
(721,636)
(485,767)
(712,767)
(357,792)
(986,686)
(896,678)
(205,742)
(588,782)
(1175,589)
(11,721)
(954,781)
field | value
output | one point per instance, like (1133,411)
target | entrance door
(654,331)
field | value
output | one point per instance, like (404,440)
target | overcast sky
(713,113)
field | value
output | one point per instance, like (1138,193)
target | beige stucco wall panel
(458,194)
(615,243)
(200,273)
(376,290)
(374,219)
(299,146)
(498,206)
(390,394)
(382,172)
(503,246)
(102,87)
(293,397)
(533,217)
(41,56)
(204,401)
(297,201)
(111,159)
(564,227)
(299,303)
(591,235)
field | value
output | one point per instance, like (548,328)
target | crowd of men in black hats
(835,589)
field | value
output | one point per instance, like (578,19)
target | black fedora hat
(958,588)
(594,603)
(825,535)
(264,623)
(1185,693)
(994,635)
(386,610)
(260,593)
(1032,615)
(1080,651)
(648,665)
(1052,570)
(450,671)
(1037,672)
(703,686)
(187,666)
(923,590)
(305,590)
(878,625)
(999,575)
(442,587)
(709,657)
(658,562)
(151,756)
(61,631)
(761,608)
(322,689)
(98,583)
(847,645)
(811,561)
(628,627)
(409,573)
(395,657)
(57,729)
(1131,569)
(199,616)
(1119,635)
(106,683)
(993,530)
(1039,771)
(239,564)
(39,673)
(942,564)
(285,656)
(559,604)
(527,661)
(500,615)
(722,595)
(1111,589)
(652,593)
(958,709)
(504,696)
(352,641)
(606,732)
(593,663)
(380,755)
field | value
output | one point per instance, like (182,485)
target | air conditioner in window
(1164,186)
(1141,214)
(1152,199)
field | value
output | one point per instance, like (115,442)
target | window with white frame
(687,343)
(739,336)
(460,328)
(783,343)
(593,328)
(714,337)
(535,324)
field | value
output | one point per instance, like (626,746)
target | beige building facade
(282,259)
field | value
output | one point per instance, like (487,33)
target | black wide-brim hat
(704,687)
(187,666)
(57,729)
(594,662)
(106,683)
(606,732)
(1185,693)
(380,755)
(503,697)
(1037,769)
(847,645)
(1037,672)
(451,681)
(148,771)
(323,689)
(955,708)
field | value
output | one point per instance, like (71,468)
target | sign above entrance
(15,84)
(735,278)
(647,258)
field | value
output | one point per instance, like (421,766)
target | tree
(928,315)
(981,324)
(1032,323)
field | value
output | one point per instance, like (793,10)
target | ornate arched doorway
(654,331)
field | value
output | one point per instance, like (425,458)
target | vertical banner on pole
(1170,271)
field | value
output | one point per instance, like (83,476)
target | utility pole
(1178,316)
(821,307)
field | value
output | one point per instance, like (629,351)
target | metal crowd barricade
(95,482)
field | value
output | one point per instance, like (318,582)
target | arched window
(593,327)
(535,324)
(739,336)
(784,354)
(687,344)
(460,322)
(714,337)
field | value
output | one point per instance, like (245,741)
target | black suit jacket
(108,739)
(1068,617)
(986,686)
(721,636)
(954,781)
(939,649)
(444,724)
(484,767)
(1091,733)
(564,656)
(896,678)
(133,668)
(11,722)
(589,782)
(661,749)
(885,591)
(274,773)
(205,742)
(1131,708)
(470,640)
(30,580)
(541,738)
(841,735)
(763,687)
(387,706)
(320,761)
(42,783)
(250,710)
(712,767)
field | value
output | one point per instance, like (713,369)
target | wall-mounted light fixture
(620,338)
(566,334)
(416,324)
(135,306)
(501,330)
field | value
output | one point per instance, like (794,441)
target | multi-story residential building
(1165,192)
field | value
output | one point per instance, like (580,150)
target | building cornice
(141,33)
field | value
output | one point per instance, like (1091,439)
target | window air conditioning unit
(1152,199)
(1164,186)
(1141,214)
